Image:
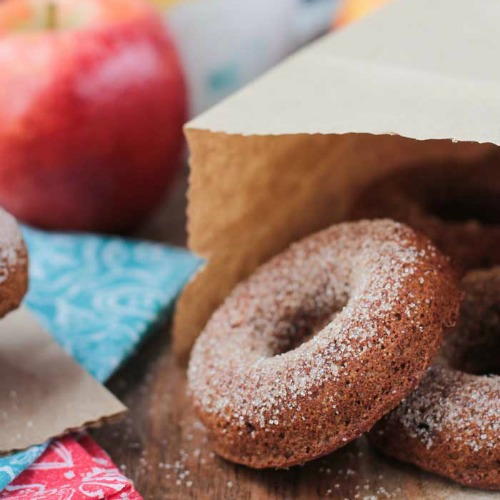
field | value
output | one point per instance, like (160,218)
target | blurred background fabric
(224,44)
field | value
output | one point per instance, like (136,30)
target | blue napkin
(99,296)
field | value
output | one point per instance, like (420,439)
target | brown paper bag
(44,393)
(416,82)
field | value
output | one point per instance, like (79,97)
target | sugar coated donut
(320,342)
(13,264)
(450,424)
(457,206)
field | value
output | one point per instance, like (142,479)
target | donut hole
(302,329)
(476,352)
(479,360)
(481,363)
(483,207)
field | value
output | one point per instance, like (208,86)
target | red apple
(92,101)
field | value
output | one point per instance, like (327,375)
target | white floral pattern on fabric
(12,465)
(98,296)
(72,468)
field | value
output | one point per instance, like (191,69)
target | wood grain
(163,449)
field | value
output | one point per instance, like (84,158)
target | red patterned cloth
(72,468)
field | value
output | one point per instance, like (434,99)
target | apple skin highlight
(90,121)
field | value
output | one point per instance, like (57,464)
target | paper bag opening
(286,156)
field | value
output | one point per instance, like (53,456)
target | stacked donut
(450,425)
(353,328)
(456,205)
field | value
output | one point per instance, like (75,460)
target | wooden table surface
(162,448)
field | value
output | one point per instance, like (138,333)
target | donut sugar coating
(13,264)
(320,342)
(450,424)
(456,205)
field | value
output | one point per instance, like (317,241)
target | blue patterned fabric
(12,465)
(99,296)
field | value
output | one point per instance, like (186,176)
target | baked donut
(457,206)
(311,350)
(13,264)
(450,424)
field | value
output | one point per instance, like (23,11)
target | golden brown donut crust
(450,424)
(456,206)
(13,264)
(368,300)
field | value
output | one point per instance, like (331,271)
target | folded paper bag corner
(381,75)
(43,392)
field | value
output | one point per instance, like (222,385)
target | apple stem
(51,18)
